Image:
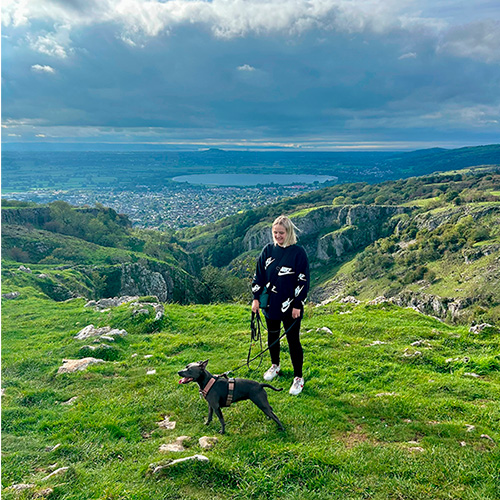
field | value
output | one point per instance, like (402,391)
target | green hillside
(396,405)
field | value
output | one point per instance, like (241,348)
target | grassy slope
(348,435)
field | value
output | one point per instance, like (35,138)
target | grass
(376,420)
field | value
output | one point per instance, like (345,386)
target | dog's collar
(204,392)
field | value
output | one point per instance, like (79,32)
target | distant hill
(23,171)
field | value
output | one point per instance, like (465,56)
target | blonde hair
(290,227)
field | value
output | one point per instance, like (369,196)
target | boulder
(18,488)
(43,493)
(350,300)
(176,446)
(166,424)
(106,303)
(207,442)
(75,365)
(92,331)
(57,472)
(476,329)
(197,458)
(25,269)
(10,295)
(324,329)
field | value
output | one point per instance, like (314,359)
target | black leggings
(293,338)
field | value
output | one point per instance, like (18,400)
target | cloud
(246,67)
(478,40)
(56,44)
(408,55)
(38,68)
(226,19)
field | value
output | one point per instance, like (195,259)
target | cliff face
(37,216)
(329,232)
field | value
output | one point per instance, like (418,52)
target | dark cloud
(187,84)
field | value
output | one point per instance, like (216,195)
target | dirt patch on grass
(356,437)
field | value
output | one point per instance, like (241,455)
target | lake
(252,179)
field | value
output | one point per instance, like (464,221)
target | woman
(283,271)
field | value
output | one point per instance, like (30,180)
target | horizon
(106,147)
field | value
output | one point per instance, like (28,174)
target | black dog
(219,391)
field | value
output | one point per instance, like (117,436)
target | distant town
(173,207)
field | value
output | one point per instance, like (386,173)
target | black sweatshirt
(287,269)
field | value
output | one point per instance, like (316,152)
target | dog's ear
(203,364)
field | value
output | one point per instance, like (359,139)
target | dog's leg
(261,401)
(210,414)
(218,412)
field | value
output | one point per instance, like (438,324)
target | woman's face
(279,234)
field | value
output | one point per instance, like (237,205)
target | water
(252,179)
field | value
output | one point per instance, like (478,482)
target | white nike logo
(286,305)
(255,288)
(302,277)
(273,289)
(298,290)
(284,271)
(269,261)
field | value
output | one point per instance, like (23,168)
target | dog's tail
(273,388)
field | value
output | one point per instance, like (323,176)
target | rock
(58,472)
(10,295)
(324,329)
(159,468)
(376,342)
(411,354)
(420,343)
(416,449)
(147,278)
(383,394)
(18,488)
(470,374)
(463,443)
(106,337)
(177,446)
(50,449)
(25,269)
(147,356)
(476,329)
(159,310)
(43,493)
(345,312)
(207,442)
(151,372)
(74,365)
(92,331)
(378,300)
(43,276)
(350,300)
(106,303)
(470,427)
(70,401)
(166,424)
(485,436)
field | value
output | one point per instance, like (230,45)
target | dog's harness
(231,383)
(204,392)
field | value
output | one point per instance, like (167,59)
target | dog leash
(255,327)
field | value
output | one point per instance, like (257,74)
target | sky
(314,75)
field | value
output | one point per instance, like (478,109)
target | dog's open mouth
(185,380)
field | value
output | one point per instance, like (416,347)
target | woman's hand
(255,306)
(295,313)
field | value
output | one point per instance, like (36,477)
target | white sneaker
(297,386)
(272,372)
